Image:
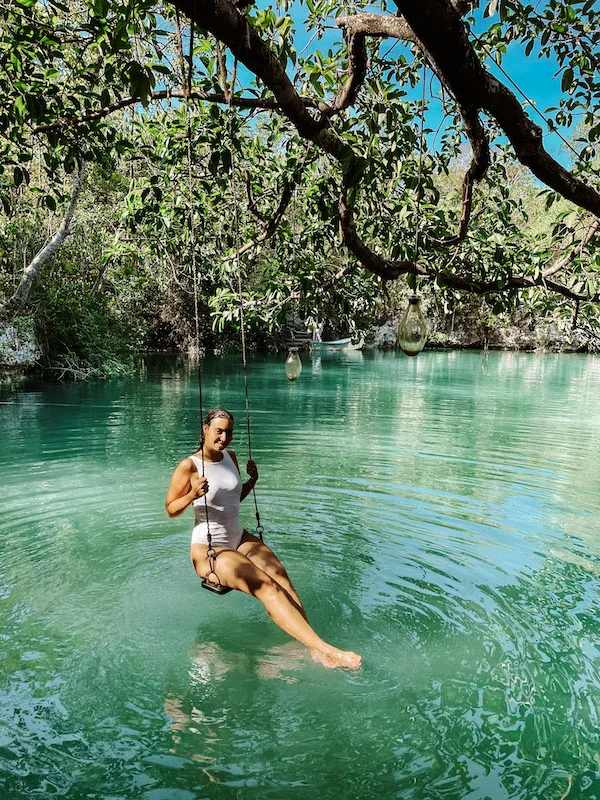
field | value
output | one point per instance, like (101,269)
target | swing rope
(208,583)
(215,586)
(236,227)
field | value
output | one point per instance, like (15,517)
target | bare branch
(376,25)
(577,251)
(384,25)
(32,270)
(357,72)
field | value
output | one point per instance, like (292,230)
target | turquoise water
(438,515)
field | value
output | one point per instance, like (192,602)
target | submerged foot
(332,658)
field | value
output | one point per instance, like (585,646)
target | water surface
(437,515)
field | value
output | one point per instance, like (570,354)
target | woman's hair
(215,413)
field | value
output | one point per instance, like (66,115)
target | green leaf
(20,107)
(156,66)
(567,79)
(50,202)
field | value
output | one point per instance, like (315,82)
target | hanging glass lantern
(412,331)
(293,365)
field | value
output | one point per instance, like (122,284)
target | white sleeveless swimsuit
(223,500)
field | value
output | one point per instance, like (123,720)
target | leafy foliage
(106,81)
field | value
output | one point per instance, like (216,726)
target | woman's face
(218,435)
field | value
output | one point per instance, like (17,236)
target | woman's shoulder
(233,456)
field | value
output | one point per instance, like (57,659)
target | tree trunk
(33,269)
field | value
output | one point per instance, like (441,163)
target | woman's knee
(267,591)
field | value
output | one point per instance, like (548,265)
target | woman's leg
(237,571)
(264,558)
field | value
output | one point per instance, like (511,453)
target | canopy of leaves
(112,83)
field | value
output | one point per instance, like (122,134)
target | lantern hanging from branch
(412,331)
(293,365)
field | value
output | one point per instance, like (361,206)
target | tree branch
(252,103)
(32,270)
(393,27)
(386,269)
(443,36)
(566,260)
(224,21)
(480,162)
(357,72)
(376,25)
(272,222)
(252,204)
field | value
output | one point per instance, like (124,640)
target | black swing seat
(217,588)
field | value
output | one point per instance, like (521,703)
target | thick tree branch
(480,162)
(393,27)
(386,269)
(357,72)
(224,21)
(501,285)
(443,37)
(376,25)
(390,270)
(384,25)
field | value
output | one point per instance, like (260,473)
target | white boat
(334,345)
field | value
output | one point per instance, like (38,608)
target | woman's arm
(186,485)
(251,469)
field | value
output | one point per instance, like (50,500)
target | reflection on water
(437,515)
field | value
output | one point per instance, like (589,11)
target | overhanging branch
(250,103)
(443,36)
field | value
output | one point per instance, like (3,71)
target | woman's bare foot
(332,658)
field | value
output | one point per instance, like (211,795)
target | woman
(242,561)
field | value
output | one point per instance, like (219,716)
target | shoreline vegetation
(148,187)
(24,352)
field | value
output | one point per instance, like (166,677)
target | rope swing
(212,582)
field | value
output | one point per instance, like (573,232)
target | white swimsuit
(223,500)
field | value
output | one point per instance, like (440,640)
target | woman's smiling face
(218,435)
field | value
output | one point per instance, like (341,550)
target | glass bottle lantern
(293,365)
(412,331)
